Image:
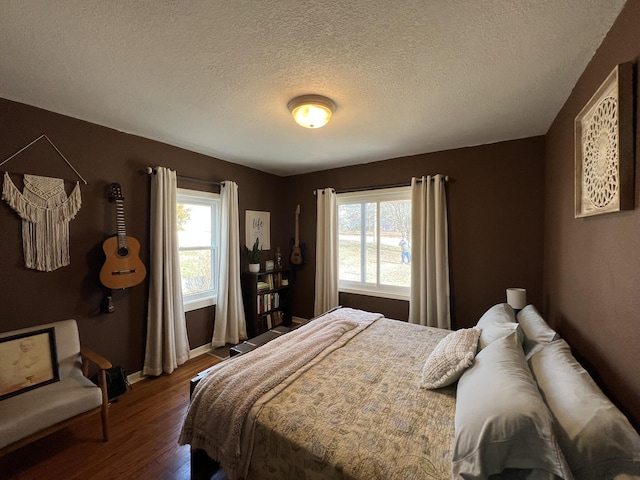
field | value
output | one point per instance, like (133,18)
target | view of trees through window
(372,236)
(197,219)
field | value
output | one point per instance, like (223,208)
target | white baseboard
(137,376)
(196,352)
(299,320)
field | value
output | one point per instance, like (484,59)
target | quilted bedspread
(217,420)
(358,413)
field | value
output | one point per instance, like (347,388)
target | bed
(354,395)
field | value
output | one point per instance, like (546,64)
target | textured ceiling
(407,77)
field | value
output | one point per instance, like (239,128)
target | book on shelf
(276,318)
(266,282)
(266,302)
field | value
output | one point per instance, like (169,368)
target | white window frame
(210,297)
(374,196)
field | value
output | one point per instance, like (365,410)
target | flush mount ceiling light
(311,111)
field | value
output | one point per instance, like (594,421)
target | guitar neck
(297,236)
(122,232)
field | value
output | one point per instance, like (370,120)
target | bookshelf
(267,300)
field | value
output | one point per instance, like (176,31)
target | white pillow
(453,354)
(497,322)
(596,438)
(537,332)
(501,421)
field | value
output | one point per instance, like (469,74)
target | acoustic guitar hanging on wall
(296,251)
(122,268)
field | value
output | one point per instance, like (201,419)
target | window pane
(371,239)
(349,231)
(194,225)
(198,225)
(371,226)
(395,254)
(195,267)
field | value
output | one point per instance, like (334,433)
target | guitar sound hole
(123,252)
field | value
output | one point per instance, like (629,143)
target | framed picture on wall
(604,147)
(27,361)
(258,225)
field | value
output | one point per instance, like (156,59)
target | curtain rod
(378,187)
(151,171)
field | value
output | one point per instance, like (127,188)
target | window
(374,254)
(198,244)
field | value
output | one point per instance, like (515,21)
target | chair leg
(104,412)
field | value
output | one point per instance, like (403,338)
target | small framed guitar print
(122,267)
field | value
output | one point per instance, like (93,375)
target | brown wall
(494,215)
(592,265)
(495,203)
(102,156)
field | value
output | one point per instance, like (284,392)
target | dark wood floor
(144,428)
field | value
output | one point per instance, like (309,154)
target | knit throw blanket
(222,399)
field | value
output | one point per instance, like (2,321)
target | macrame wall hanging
(45,211)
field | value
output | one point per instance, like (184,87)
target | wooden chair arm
(91,356)
(103,364)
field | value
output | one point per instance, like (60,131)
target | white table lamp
(517,298)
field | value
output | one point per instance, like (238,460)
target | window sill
(375,293)
(198,304)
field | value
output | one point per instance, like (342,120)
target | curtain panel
(326,296)
(429,304)
(230,325)
(167,344)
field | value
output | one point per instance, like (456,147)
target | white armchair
(36,413)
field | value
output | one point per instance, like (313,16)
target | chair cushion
(30,412)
